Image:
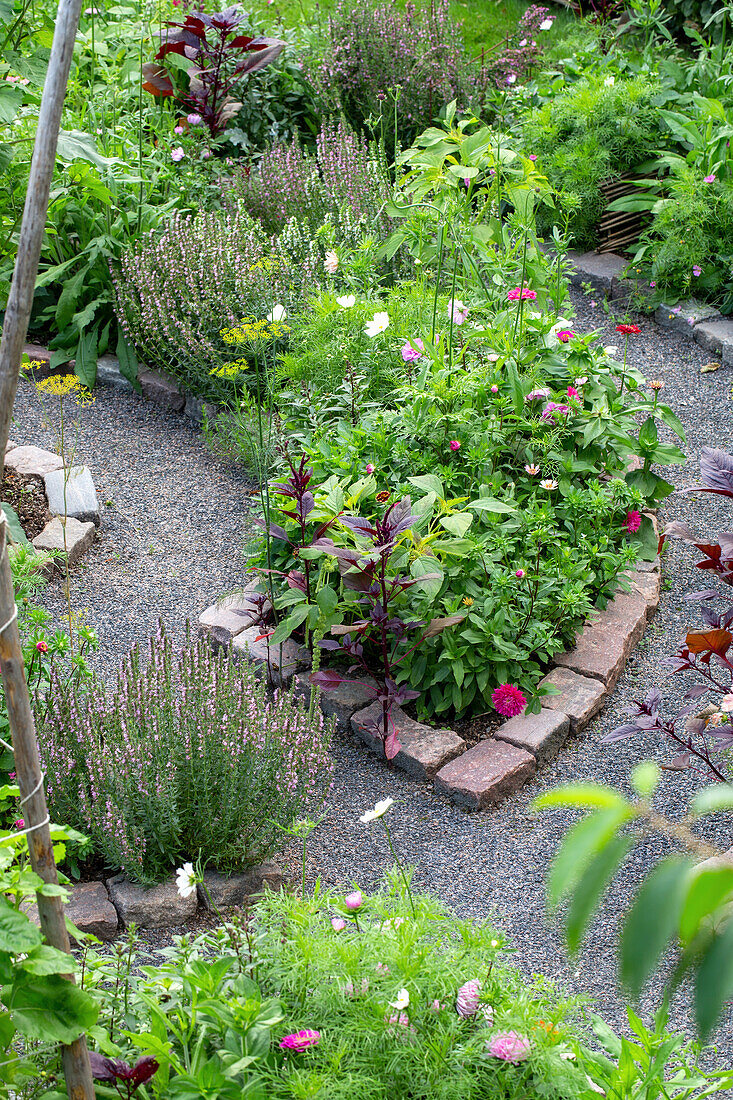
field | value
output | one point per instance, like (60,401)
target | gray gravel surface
(171,543)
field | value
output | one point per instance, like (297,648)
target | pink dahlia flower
(510,1046)
(633,522)
(508,700)
(468,998)
(300,1040)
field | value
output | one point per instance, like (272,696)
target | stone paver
(603,646)
(542,734)
(224,620)
(109,373)
(79,537)
(37,353)
(90,909)
(597,268)
(157,907)
(684,316)
(81,496)
(162,389)
(486,774)
(283,661)
(423,751)
(32,461)
(195,408)
(717,336)
(340,704)
(649,584)
(580,696)
(225,891)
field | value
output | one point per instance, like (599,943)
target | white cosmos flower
(379,811)
(379,323)
(546,24)
(612,349)
(346,301)
(726,704)
(609,81)
(186,880)
(277,313)
(548,484)
(401,1001)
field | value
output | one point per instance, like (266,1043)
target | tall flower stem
(399,864)
(67,580)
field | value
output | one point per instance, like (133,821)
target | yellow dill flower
(62,385)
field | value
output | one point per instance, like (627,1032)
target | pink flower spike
(454,445)
(633,522)
(300,1040)
(509,1046)
(572,392)
(508,700)
(354,900)
(338,924)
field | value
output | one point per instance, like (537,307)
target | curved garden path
(171,541)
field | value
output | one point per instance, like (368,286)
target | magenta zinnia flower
(468,997)
(522,292)
(564,335)
(508,700)
(510,1046)
(552,408)
(300,1040)
(454,445)
(633,522)
(572,392)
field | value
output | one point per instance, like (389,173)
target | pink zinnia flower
(522,292)
(177,153)
(572,392)
(564,335)
(412,350)
(454,445)
(633,522)
(354,900)
(710,178)
(19,824)
(338,924)
(494,389)
(510,1046)
(468,997)
(42,647)
(370,468)
(520,573)
(300,1040)
(508,700)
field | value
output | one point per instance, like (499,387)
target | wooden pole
(25,746)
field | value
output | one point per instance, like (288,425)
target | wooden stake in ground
(30,779)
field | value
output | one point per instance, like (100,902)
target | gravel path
(171,543)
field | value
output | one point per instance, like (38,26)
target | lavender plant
(188,756)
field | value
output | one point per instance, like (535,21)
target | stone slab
(228,617)
(154,907)
(424,750)
(162,389)
(486,774)
(603,646)
(33,461)
(649,584)
(79,537)
(10,446)
(283,661)
(91,910)
(684,316)
(35,351)
(580,696)
(340,704)
(597,268)
(542,734)
(226,891)
(81,496)
(109,373)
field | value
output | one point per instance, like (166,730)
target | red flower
(628,330)
(383,496)
(564,335)
(633,522)
(508,700)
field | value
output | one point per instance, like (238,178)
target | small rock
(486,774)
(340,704)
(684,316)
(423,751)
(542,734)
(90,909)
(580,696)
(79,537)
(33,461)
(717,336)
(597,268)
(37,353)
(195,408)
(280,663)
(81,496)
(9,446)
(224,620)
(162,389)
(151,907)
(109,373)
(603,646)
(226,891)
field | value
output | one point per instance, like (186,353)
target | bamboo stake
(25,746)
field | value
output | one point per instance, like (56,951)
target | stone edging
(82,506)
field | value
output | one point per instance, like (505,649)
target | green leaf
(515,387)
(648,436)
(66,305)
(652,921)
(327,600)
(17,932)
(424,567)
(710,887)
(49,960)
(429,483)
(128,360)
(49,1008)
(16,532)
(579,846)
(458,523)
(646,540)
(489,504)
(580,795)
(714,981)
(86,359)
(10,101)
(711,799)
(671,420)
(78,145)
(295,619)
(592,886)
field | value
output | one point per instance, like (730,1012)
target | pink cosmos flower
(494,389)
(532,469)
(177,129)
(533,156)
(338,924)
(633,522)
(572,392)
(522,292)
(177,153)
(354,900)
(538,395)
(457,311)
(508,700)
(454,445)
(193,119)
(552,408)
(19,824)
(564,335)
(300,1040)
(520,573)
(696,270)
(370,468)
(652,284)
(11,775)
(468,997)
(709,179)
(510,1046)
(412,350)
